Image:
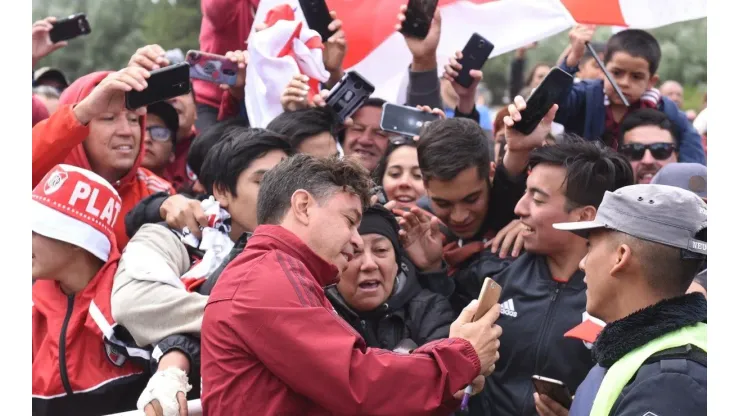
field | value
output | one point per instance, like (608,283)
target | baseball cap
(689,176)
(168,114)
(50,73)
(662,214)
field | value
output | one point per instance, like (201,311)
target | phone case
(348,95)
(489,296)
(475,54)
(70,28)
(165,83)
(404,120)
(551,90)
(317,16)
(554,389)
(212,68)
(419,15)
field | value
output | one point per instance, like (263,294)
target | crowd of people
(325,266)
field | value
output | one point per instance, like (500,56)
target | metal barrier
(194,409)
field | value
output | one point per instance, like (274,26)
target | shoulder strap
(686,352)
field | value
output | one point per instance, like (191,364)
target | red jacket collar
(275,237)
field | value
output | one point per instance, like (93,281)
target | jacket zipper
(63,348)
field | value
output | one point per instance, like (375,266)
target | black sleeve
(424,89)
(436,321)
(145,212)
(505,195)
(475,116)
(188,345)
(437,281)
(516,77)
(664,394)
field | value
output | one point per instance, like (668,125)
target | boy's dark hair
(647,117)
(395,144)
(599,48)
(637,43)
(448,147)
(301,124)
(370,102)
(231,156)
(591,169)
(208,138)
(320,177)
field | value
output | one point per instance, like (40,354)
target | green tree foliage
(173,25)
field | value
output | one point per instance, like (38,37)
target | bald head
(674,91)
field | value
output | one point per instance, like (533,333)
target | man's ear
(623,259)
(300,203)
(492,173)
(653,81)
(588,213)
(222,195)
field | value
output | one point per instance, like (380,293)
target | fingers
(496,242)
(509,239)
(468,312)
(336,24)
(550,116)
(518,245)
(547,407)
(59,45)
(150,57)
(183,402)
(514,110)
(156,409)
(490,318)
(199,214)
(149,410)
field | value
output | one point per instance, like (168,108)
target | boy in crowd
(92,129)
(160,137)
(312,131)
(593,109)
(648,139)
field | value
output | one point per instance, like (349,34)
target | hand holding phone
(418,18)
(349,94)
(110,95)
(474,55)
(405,120)
(551,90)
(70,28)
(163,84)
(317,16)
(554,389)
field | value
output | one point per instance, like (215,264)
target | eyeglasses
(159,133)
(635,151)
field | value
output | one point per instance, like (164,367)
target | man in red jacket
(273,345)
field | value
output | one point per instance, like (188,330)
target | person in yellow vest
(646,244)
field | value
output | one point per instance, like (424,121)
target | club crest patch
(55,181)
(114,356)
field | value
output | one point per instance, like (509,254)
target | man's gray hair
(320,177)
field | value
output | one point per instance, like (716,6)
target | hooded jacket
(410,313)
(59,138)
(273,345)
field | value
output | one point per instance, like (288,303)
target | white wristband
(163,387)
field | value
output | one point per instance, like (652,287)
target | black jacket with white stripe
(536,311)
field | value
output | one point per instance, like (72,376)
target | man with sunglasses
(648,139)
(159,142)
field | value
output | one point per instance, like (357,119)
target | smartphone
(163,84)
(404,120)
(475,53)
(212,68)
(554,389)
(349,94)
(551,90)
(419,15)
(489,296)
(317,16)
(382,196)
(70,28)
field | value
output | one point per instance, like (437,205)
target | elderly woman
(379,294)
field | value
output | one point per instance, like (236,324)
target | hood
(75,93)
(405,288)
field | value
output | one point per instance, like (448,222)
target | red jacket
(273,345)
(59,138)
(102,380)
(225,27)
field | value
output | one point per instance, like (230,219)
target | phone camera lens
(358,85)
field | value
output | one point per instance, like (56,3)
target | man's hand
(421,238)
(295,95)
(509,240)
(518,142)
(423,51)
(335,49)
(155,409)
(478,383)
(579,35)
(149,57)
(109,95)
(466,105)
(241,59)
(41,44)
(181,212)
(483,334)
(548,407)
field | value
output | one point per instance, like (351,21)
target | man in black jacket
(645,246)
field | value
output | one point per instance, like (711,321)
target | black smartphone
(317,16)
(419,15)
(554,389)
(551,90)
(163,84)
(404,120)
(349,94)
(70,28)
(475,53)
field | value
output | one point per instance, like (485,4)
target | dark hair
(206,139)
(301,124)
(231,156)
(370,102)
(637,43)
(320,177)
(530,77)
(599,48)
(591,169)
(395,144)
(647,117)
(448,147)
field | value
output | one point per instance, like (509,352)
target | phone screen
(163,84)
(556,84)
(212,68)
(404,120)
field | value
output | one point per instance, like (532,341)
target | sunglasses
(159,133)
(635,151)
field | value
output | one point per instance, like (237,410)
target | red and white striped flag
(380,54)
